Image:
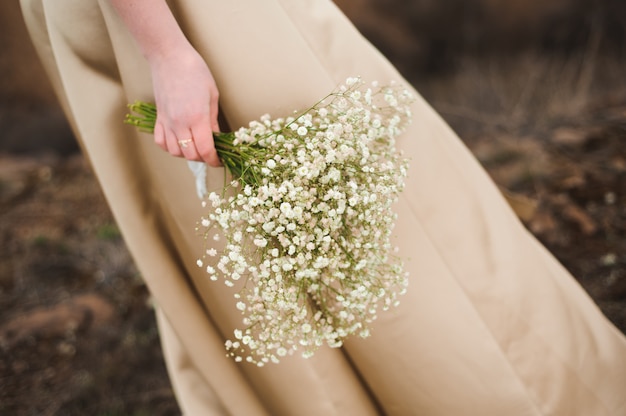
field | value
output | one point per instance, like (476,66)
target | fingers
(182,144)
(171,142)
(167,141)
(186,146)
(205,145)
(209,152)
(192,144)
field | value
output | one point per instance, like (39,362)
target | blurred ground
(534,88)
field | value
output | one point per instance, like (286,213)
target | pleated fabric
(492,324)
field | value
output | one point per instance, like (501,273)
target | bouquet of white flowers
(308,227)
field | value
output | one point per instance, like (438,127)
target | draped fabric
(491,323)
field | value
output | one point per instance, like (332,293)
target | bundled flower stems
(307,220)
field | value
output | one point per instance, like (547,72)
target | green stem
(143,116)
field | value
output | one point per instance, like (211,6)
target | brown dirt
(77,330)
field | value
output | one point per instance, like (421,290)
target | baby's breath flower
(309,228)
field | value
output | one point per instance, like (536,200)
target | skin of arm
(185,91)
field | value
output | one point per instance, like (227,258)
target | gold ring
(184,143)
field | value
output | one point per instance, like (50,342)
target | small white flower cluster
(308,230)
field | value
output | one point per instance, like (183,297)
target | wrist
(154,28)
(178,50)
(171,62)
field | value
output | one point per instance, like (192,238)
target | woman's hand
(184,89)
(187,106)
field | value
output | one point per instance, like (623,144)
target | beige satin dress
(491,325)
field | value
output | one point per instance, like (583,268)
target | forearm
(184,89)
(153,26)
